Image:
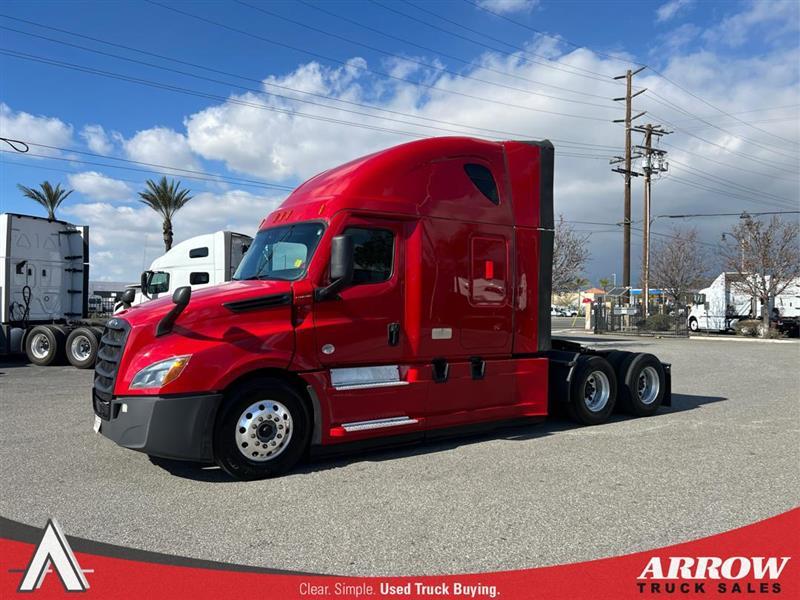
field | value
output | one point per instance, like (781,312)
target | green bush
(658,323)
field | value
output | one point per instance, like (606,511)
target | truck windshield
(280,252)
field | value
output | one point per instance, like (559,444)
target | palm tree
(166,198)
(49,197)
(604,283)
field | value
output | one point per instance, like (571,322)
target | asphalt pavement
(726,454)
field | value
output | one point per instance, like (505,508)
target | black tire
(45,345)
(81,347)
(642,388)
(265,394)
(592,375)
(693,326)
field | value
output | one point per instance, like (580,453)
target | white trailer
(200,261)
(44,291)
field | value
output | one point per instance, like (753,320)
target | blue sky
(741,57)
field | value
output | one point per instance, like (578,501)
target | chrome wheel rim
(648,385)
(264,430)
(81,348)
(40,346)
(596,391)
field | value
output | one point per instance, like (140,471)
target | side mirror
(342,266)
(180,298)
(128,296)
(182,295)
(144,283)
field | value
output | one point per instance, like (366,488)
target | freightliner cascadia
(400,296)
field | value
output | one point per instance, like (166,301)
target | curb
(741,339)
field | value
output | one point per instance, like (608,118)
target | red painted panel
(523,171)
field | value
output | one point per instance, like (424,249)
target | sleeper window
(198,278)
(373,254)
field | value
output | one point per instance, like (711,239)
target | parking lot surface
(726,454)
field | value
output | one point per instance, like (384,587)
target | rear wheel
(82,346)
(643,385)
(44,345)
(593,391)
(263,430)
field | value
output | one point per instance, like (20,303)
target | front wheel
(593,390)
(263,429)
(693,324)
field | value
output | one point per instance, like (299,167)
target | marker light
(161,373)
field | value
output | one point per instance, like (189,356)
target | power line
(548,35)
(718,109)
(728,183)
(428,65)
(723,164)
(737,214)
(289,98)
(168,171)
(594,76)
(656,72)
(362,68)
(722,129)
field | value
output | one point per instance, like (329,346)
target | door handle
(393,334)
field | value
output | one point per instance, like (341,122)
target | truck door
(364,326)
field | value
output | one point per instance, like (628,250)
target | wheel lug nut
(252,435)
(260,419)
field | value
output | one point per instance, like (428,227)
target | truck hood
(210,302)
(227,329)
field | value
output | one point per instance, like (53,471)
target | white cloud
(97,139)
(770,20)
(161,146)
(263,136)
(97,186)
(125,239)
(508,6)
(670,9)
(49,131)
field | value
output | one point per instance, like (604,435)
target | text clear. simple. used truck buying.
(44,291)
(404,294)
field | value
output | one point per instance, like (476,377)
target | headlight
(161,373)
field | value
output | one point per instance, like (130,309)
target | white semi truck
(719,306)
(44,291)
(203,260)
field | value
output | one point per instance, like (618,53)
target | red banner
(755,560)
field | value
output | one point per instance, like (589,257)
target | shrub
(658,323)
(748,327)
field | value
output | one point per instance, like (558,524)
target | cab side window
(373,253)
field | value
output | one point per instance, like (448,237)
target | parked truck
(401,296)
(726,301)
(202,260)
(44,291)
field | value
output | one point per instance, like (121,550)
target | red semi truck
(400,296)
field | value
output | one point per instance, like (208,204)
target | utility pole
(626,223)
(653,163)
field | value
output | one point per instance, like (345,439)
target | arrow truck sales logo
(701,574)
(54,550)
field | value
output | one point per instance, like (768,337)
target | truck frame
(400,296)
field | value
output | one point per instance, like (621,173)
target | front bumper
(178,427)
